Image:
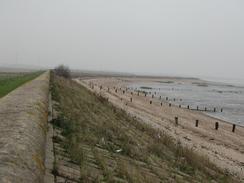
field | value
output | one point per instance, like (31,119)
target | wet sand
(222,146)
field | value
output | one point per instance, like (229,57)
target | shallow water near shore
(201,94)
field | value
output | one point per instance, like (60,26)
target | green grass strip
(12,81)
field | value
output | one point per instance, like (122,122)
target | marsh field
(100,142)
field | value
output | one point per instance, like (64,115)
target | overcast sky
(176,37)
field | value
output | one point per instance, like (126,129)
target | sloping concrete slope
(23,125)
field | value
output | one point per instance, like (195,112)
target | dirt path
(23,125)
(224,148)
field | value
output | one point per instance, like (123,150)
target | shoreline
(151,86)
(223,147)
(225,121)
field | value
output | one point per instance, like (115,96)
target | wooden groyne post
(150,102)
(197,121)
(169,104)
(216,125)
(233,128)
(131,99)
(176,120)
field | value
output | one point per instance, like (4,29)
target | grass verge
(9,81)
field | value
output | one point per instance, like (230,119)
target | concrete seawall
(23,128)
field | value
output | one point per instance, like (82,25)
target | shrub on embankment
(62,71)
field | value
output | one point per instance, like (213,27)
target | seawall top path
(23,125)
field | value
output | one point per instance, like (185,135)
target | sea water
(201,94)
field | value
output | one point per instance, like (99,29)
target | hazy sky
(181,37)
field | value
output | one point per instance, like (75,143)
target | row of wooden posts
(176,118)
(167,99)
(188,107)
(197,123)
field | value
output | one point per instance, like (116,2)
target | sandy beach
(222,146)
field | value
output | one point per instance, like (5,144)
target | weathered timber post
(188,107)
(197,123)
(169,104)
(167,98)
(214,109)
(131,99)
(108,89)
(123,91)
(150,102)
(145,94)
(197,108)
(179,106)
(205,108)
(138,93)
(161,104)
(176,120)
(131,93)
(116,91)
(221,110)
(174,99)
(152,96)
(160,97)
(216,126)
(233,128)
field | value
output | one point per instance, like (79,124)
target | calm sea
(215,93)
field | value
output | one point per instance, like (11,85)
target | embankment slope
(223,147)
